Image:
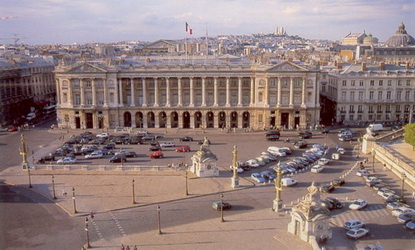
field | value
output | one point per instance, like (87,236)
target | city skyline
(66,22)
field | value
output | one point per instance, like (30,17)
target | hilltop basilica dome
(401,38)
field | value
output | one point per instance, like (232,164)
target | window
(297,83)
(351,117)
(352,96)
(370,109)
(389,82)
(344,83)
(399,82)
(351,109)
(343,95)
(359,108)
(388,95)
(380,82)
(407,95)
(380,95)
(388,108)
(408,82)
(88,83)
(65,98)
(88,98)
(406,108)
(77,99)
(353,83)
(361,83)
(372,83)
(371,95)
(379,108)
(361,95)
(398,108)
(398,95)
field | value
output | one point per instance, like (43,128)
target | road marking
(117,223)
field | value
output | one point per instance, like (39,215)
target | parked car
(183,148)
(358,204)
(400,210)
(273,133)
(120,158)
(67,160)
(219,204)
(350,224)
(257,177)
(327,188)
(317,168)
(406,217)
(186,138)
(305,135)
(154,148)
(268,175)
(361,172)
(300,144)
(338,182)
(239,170)
(325,131)
(357,233)
(109,146)
(103,135)
(410,225)
(371,247)
(156,154)
(395,204)
(323,161)
(287,150)
(336,203)
(168,144)
(94,155)
(12,129)
(288,182)
(273,138)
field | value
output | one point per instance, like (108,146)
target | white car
(287,182)
(361,172)
(350,224)
(317,168)
(323,161)
(400,210)
(259,161)
(239,170)
(94,155)
(382,191)
(341,150)
(103,135)
(253,163)
(66,160)
(167,144)
(371,247)
(357,233)
(358,204)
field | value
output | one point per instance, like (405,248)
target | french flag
(188,29)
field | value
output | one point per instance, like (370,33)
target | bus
(49,110)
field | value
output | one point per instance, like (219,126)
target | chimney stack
(381,66)
(363,66)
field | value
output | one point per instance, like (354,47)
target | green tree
(410,134)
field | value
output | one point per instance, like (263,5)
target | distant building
(26,84)
(354,38)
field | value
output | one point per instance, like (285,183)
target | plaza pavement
(112,190)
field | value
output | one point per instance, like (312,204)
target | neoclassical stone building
(154,93)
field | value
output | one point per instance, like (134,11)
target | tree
(410,134)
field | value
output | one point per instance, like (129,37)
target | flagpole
(207,44)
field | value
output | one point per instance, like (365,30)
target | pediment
(86,68)
(160,44)
(286,67)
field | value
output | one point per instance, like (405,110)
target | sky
(84,21)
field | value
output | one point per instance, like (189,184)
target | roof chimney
(381,66)
(363,66)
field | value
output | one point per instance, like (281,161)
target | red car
(12,129)
(183,148)
(156,154)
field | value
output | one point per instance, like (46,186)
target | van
(286,182)
(375,127)
(30,116)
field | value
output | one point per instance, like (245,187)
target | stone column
(239,92)
(303,93)
(144,93)
(156,121)
(291,91)
(203,92)
(192,120)
(94,94)
(167,92)
(279,92)
(117,95)
(120,91)
(228,92)
(156,93)
(191,104)
(266,98)
(180,119)
(70,92)
(252,97)
(179,93)
(145,124)
(215,91)
(95,120)
(82,92)
(132,92)
(58,92)
(215,120)
(104,85)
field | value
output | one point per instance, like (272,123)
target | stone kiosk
(204,161)
(310,220)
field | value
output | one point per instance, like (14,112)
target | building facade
(371,93)
(154,94)
(26,85)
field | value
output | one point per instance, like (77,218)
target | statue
(205,144)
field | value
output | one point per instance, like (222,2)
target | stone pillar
(82,92)
(58,92)
(239,91)
(252,92)
(156,121)
(279,92)
(167,92)
(303,93)
(120,91)
(203,92)
(192,120)
(179,94)
(156,92)
(192,93)
(70,92)
(95,120)
(180,119)
(132,92)
(145,121)
(105,87)
(94,94)
(117,95)
(215,120)
(228,104)
(291,91)
(266,98)
(215,91)
(144,93)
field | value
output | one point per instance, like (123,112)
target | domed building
(370,40)
(401,38)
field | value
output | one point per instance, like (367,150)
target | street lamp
(221,208)
(133,193)
(187,188)
(87,233)
(53,187)
(30,180)
(373,160)
(73,198)
(235,178)
(277,204)
(158,216)
(403,175)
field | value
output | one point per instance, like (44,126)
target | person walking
(64,193)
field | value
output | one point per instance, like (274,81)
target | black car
(110,146)
(273,138)
(136,140)
(300,144)
(118,158)
(335,202)
(327,205)
(46,158)
(325,131)
(154,148)
(272,133)
(186,138)
(305,135)
(327,188)
(338,182)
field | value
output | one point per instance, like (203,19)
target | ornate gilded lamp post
(73,198)
(87,233)
(277,204)
(23,151)
(158,216)
(221,208)
(187,187)
(53,187)
(133,193)
(235,178)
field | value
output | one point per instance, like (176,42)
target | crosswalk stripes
(372,212)
(117,223)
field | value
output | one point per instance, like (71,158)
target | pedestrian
(122,247)
(127,248)
(384,167)
(64,193)
(135,247)
(92,215)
